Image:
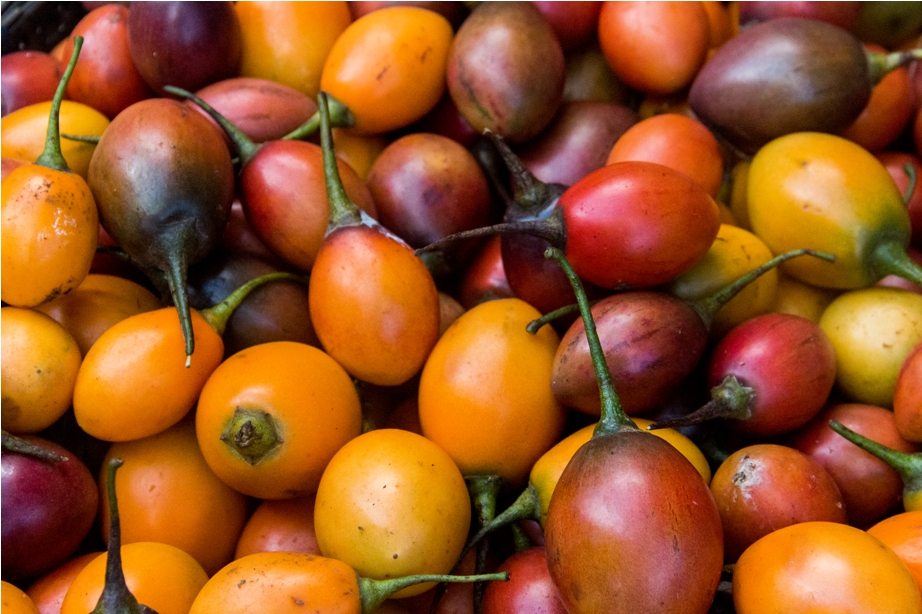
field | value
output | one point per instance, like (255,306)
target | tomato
(734,252)
(24,132)
(280,525)
(824,192)
(802,299)
(677,141)
(168,494)
(907,396)
(288,42)
(903,534)
(48,590)
(15,600)
(149,567)
(655,47)
(389,67)
(888,111)
(40,365)
(98,303)
(271,417)
(485,394)
(393,503)
(823,567)
(873,331)
(133,381)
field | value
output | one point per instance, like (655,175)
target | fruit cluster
(486,307)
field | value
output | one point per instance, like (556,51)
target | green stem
(116,597)
(535,325)
(251,435)
(910,171)
(708,306)
(244,146)
(484,490)
(18,445)
(520,539)
(374,592)
(218,315)
(613,419)
(51,156)
(908,465)
(82,138)
(880,64)
(340,117)
(890,258)
(343,212)
(552,229)
(729,399)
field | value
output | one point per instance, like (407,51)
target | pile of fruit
(489,307)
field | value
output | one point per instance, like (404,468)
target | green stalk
(218,315)
(374,592)
(613,419)
(709,305)
(51,156)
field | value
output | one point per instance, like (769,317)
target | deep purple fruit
(47,510)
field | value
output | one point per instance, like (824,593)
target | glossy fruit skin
(392,503)
(15,600)
(652,341)
(24,132)
(288,42)
(262,109)
(655,48)
(161,167)
(184,44)
(907,396)
(746,94)
(676,141)
(873,331)
(281,582)
(764,487)
(484,393)
(426,186)
(284,197)
(50,227)
(529,589)
(788,361)
(47,592)
(637,224)
(272,312)
(577,141)
(903,534)
(29,76)
(40,365)
(782,572)
(821,191)
(870,487)
(485,276)
(105,77)
(517,97)
(48,509)
(279,525)
(374,305)
(888,110)
(134,383)
(895,163)
(388,67)
(98,303)
(148,567)
(168,494)
(660,538)
(276,378)
(735,252)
